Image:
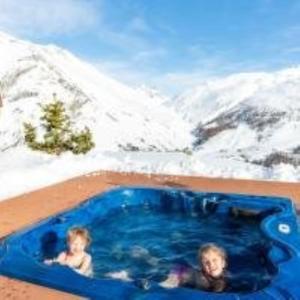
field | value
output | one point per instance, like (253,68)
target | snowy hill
(244,125)
(254,116)
(120,117)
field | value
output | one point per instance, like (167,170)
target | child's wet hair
(78,231)
(214,248)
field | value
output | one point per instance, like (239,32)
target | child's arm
(86,265)
(61,259)
(171,282)
(179,276)
(49,261)
(122,275)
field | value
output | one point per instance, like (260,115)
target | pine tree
(82,142)
(57,127)
(58,135)
(30,135)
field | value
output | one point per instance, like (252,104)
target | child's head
(78,239)
(213,259)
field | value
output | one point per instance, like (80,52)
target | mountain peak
(214,97)
(119,116)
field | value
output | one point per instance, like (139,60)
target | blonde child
(75,256)
(210,277)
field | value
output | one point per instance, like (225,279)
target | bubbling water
(147,244)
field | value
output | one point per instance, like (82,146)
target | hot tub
(148,231)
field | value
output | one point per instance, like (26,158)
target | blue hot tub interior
(149,231)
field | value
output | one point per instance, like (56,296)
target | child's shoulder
(62,257)
(63,254)
(87,256)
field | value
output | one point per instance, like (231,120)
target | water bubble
(139,251)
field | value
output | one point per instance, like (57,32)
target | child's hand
(171,282)
(49,262)
(122,275)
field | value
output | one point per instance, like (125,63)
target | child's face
(77,245)
(213,263)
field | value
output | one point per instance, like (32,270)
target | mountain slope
(245,125)
(255,114)
(119,117)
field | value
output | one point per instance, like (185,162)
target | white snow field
(227,123)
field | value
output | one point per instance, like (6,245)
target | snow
(286,141)
(29,170)
(233,139)
(279,91)
(116,114)
(120,115)
(254,113)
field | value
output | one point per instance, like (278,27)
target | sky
(171,45)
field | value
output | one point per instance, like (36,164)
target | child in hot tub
(75,256)
(210,277)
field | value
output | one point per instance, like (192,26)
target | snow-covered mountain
(255,116)
(120,117)
(244,125)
